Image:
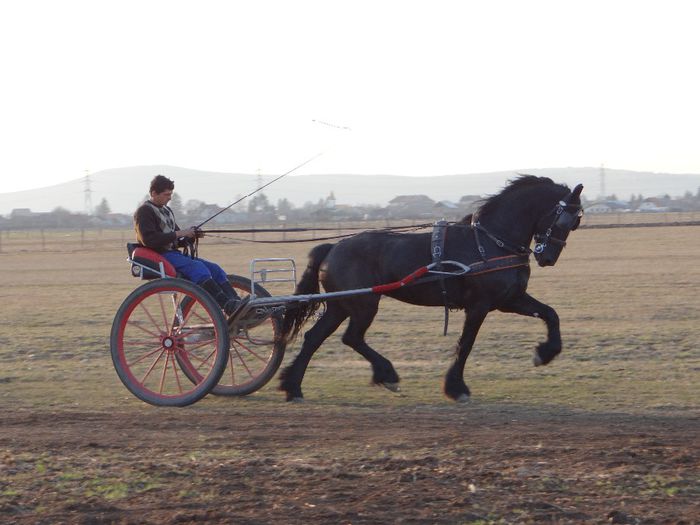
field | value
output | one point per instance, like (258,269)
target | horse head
(553,228)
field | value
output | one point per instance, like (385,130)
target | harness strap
(477,227)
(499,263)
(437,249)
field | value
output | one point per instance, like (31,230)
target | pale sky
(426,88)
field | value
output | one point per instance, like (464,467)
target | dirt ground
(608,433)
(303,464)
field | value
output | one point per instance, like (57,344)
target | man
(156,229)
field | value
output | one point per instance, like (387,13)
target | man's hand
(189,233)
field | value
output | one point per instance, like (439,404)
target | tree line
(260,209)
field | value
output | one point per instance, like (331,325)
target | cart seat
(146,263)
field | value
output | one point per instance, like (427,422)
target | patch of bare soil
(307,464)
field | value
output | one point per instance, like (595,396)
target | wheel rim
(159,345)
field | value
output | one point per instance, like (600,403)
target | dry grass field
(609,432)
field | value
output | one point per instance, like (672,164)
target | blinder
(567,218)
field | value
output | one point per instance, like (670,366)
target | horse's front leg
(528,305)
(455,387)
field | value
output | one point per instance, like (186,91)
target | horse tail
(297,315)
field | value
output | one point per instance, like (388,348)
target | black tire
(255,355)
(152,342)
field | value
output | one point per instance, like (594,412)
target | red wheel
(158,345)
(254,354)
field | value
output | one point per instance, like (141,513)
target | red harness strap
(490,265)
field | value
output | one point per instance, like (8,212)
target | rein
(400,229)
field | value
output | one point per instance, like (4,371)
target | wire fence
(75,240)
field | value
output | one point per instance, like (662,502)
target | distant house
(447,209)
(19,213)
(609,206)
(408,206)
(112,220)
(411,200)
(650,205)
(598,207)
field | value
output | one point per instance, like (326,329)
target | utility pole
(602,182)
(88,193)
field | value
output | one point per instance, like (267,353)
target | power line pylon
(88,193)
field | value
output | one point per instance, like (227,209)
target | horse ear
(577,190)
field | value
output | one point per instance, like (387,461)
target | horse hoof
(394,387)
(537,360)
(296,400)
(463,399)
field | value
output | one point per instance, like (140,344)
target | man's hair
(161,183)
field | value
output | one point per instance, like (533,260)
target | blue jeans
(195,270)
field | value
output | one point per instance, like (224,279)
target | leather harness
(520,257)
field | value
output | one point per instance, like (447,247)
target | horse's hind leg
(292,376)
(362,314)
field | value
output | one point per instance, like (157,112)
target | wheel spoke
(177,377)
(162,309)
(145,356)
(150,368)
(199,344)
(199,316)
(142,342)
(165,369)
(263,359)
(232,368)
(192,312)
(153,321)
(202,361)
(139,324)
(240,358)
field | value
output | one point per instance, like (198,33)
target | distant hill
(125,188)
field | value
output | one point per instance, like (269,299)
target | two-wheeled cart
(171,344)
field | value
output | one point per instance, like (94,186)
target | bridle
(566,218)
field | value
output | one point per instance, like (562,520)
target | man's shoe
(231,306)
(239,305)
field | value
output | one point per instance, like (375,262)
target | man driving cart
(156,229)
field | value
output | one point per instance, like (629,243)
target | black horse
(494,243)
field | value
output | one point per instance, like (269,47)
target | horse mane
(513,186)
